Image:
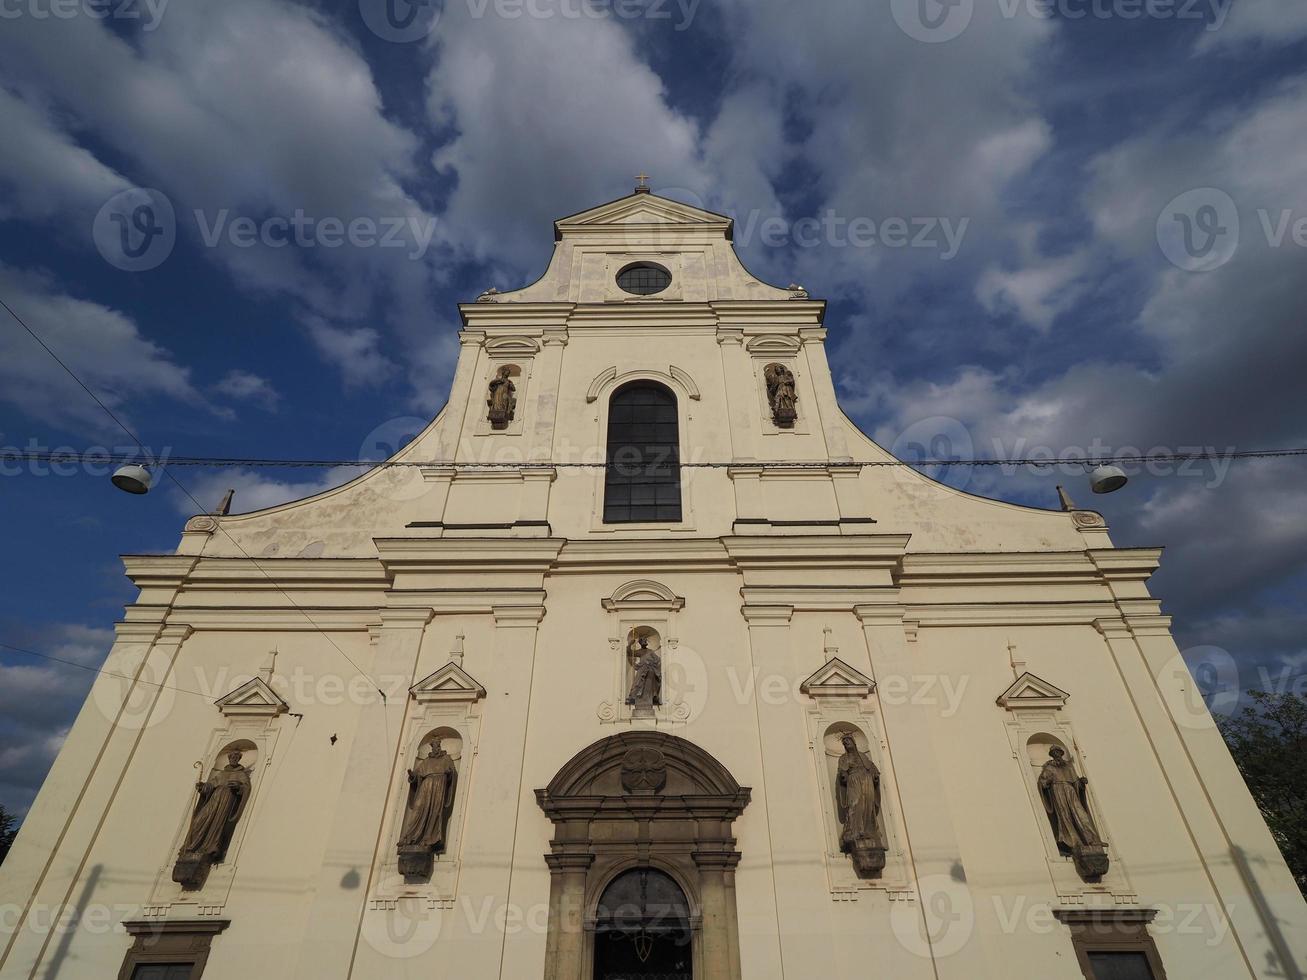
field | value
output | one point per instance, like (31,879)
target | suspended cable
(57,457)
(198,506)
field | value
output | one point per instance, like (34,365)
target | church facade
(642,661)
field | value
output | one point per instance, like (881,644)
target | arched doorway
(642,928)
(642,810)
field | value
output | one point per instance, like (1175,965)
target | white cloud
(44,170)
(102,346)
(256,488)
(1268,22)
(244,386)
(548,110)
(249,108)
(355,351)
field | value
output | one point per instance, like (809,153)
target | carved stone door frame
(642,799)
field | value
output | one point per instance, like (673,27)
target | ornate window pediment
(643,593)
(254,698)
(836,679)
(1029,691)
(450,683)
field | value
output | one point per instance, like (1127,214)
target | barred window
(643,477)
(644,279)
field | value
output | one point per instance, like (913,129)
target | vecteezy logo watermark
(932,21)
(148,12)
(938,438)
(136,229)
(402,21)
(1198,231)
(1201,684)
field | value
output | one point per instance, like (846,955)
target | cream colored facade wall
(941,601)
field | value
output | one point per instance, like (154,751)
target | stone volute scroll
(431,786)
(781,395)
(502,398)
(858,795)
(220,802)
(1066,800)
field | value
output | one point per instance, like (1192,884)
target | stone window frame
(600,394)
(159,941)
(1111,931)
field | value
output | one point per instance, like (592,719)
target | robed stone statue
(1066,799)
(218,808)
(430,798)
(780,394)
(503,398)
(647,684)
(857,793)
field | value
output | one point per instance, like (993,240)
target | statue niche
(431,785)
(646,688)
(219,804)
(502,400)
(1066,800)
(858,805)
(780,395)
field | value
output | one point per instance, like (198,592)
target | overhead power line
(198,506)
(57,457)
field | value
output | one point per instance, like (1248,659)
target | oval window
(644,279)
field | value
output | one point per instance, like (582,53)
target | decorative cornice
(148,927)
(1029,691)
(1105,917)
(451,683)
(836,679)
(254,698)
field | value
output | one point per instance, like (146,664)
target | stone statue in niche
(857,793)
(502,402)
(426,812)
(780,394)
(218,808)
(647,685)
(1066,798)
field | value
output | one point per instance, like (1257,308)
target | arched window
(643,478)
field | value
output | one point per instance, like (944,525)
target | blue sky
(1067,146)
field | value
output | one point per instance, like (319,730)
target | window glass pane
(162,971)
(1120,966)
(644,279)
(643,478)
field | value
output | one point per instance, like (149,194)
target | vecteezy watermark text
(136,230)
(147,12)
(936,21)
(404,21)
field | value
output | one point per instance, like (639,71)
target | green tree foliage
(8,829)
(1268,740)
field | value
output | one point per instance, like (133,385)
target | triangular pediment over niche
(254,697)
(450,683)
(836,679)
(1029,691)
